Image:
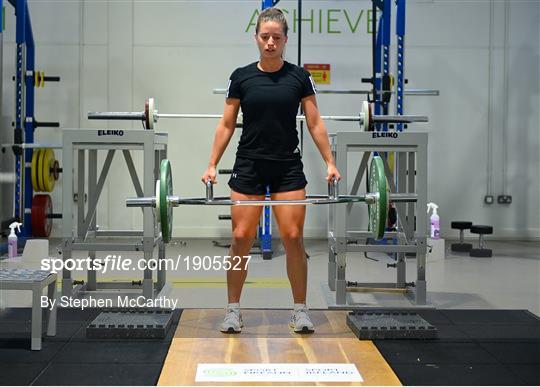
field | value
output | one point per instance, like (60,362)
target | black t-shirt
(269,102)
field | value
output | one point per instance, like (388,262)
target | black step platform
(390,325)
(130,324)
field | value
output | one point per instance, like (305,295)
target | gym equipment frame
(411,150)
(76,235)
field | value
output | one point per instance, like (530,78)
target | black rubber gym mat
(71,359)
(456,375)
(18,351)
(63,314)
(514,352)
(432,352)
(528,372)
(474,347)
(21,331)
(100,375)
(113,352)
(505,332)
(19,374)
(480,316)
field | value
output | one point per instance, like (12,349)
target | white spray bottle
(12,239)
(434,220)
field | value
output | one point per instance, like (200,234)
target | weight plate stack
(45,170)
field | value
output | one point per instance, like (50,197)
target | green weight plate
(378,211)
(165,210)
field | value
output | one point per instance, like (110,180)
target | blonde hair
(272,14)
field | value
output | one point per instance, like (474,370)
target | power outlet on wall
(488,199)
(504,199)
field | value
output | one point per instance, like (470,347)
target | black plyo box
(130,324)
(390,325)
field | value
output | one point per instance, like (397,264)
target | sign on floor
(277,372)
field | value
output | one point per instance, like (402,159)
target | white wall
(111,55)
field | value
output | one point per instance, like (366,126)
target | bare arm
(318,132)
(224,132)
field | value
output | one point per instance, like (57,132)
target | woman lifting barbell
(269,92)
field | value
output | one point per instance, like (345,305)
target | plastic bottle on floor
(12,239)
(434,220)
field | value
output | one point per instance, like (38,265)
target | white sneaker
(232,323)
(300,321)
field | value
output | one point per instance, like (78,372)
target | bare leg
(244,227)
(290,221)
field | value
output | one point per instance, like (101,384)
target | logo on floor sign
(384,134)
(110,133)
(219,372)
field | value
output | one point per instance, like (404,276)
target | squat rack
(26,80)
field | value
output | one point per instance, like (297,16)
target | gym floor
(508,280)
(481,341)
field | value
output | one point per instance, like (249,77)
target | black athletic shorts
(251,176)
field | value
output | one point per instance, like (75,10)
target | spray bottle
(12,239)
(434,220)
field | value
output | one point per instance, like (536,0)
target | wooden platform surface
(267,338)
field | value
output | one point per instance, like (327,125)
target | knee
(243,234)
(292,235)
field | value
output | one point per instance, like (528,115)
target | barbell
(150,116)
(426,92)
(377,199)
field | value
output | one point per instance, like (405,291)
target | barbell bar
(377,200)
(29,146)
(176,201)
(425,92)
(384,119)
(150,116)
